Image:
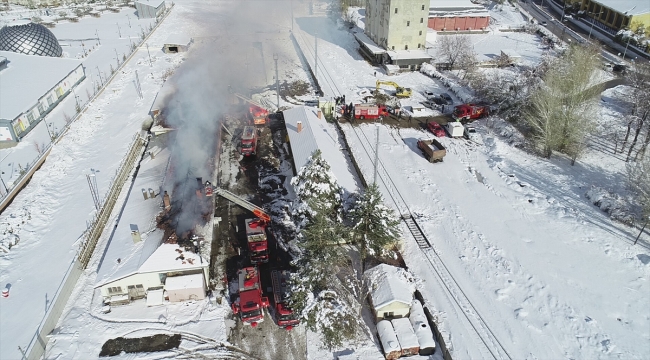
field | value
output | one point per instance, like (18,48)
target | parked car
(543,23)
(436,129)
(446,98)
(618,67)
(471,134)
(430,104)
(429,95)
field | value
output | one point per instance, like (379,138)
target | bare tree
(638,177)
(455,49)
(639,79)
(563,108)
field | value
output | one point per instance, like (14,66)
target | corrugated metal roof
(318,134)
(632,7)
(303,143)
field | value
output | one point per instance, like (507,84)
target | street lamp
(593,21)
(628,44)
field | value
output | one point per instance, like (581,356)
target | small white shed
(391,291)
(185,287)
(177,43)
(388,340)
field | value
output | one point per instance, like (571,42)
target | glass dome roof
(29,38)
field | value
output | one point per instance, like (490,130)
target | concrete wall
(397,24)
(397,308)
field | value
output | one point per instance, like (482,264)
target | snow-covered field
(551,275)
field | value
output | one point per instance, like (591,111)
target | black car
(618,67)
(446,98)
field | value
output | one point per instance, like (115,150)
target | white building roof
(452,8)
(421,326)
(193,281)
(27,78)
(155,297)
(409,55)
(389,284)
(405,334)
(367,42)
(154,3)
(451,4)
(317,134)
(632,7)
(178,39)
(388,337)
(147,255)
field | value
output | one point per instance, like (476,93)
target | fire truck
(286,317)
(365,111)
(257,112)
(470,112)
(249,141)
(258,245)
(250,304)
(255,228)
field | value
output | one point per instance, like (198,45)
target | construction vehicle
(400,92)
(255,228)
(249,141)
(367,111)
(468,112)
(432,150)
(258,245)
(257,111)
(250,304)
(286,317)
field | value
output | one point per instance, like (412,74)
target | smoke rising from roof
(228,53)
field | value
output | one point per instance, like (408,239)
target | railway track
(485,337)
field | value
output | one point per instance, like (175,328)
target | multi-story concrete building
(395,32)
(397,24)
(616,14)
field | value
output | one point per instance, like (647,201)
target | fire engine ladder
(275,280)
(256,210)
(250,101)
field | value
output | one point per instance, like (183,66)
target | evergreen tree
(375,225)
(315,182)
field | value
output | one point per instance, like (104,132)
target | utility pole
(119,31)
(128,18)
(374,178)
(277,80)
(100,75)
(117,57)
(593,21)
(628,44)
(96,33)
(291,15)
(316,57)
(150,63)
(640,232)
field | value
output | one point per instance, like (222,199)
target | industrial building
(147,9)
(33,79)
(614,15)
(399,28)
(390,295)
(457,15)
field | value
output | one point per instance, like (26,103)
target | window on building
(406,47)
(30,117)
(50,100)
(408,23)
(422,7)
(419,46)
(393,47)
(420,32)
(389,315)
(421,20)
(41,109)
(114,290)
(395,10)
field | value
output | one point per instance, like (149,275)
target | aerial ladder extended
(400,92)
(256,210)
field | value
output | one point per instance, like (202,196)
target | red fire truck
(258,245)
(470,112)
(286,317)
(249,141)
(250,305)
(366,111)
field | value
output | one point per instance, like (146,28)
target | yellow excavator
(400,92)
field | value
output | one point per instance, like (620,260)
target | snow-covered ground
(551,274)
